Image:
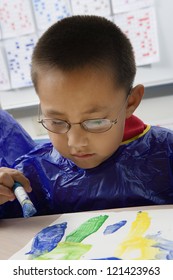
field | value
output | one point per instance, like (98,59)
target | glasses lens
(56,126)
(97,125)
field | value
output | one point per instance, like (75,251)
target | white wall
(158,110)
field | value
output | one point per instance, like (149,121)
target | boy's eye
(97,122)
(58,123)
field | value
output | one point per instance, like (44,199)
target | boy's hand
(7,178)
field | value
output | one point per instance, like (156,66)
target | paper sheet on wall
(89,7)
(104,235)
(19,51)
(16,18)
(141,28)
(48,12)
(4,77)
(121,6)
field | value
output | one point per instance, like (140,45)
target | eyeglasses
(59,126)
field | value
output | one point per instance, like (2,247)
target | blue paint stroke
(108,258)
(113,228)
(170,255)
(165,246)
(47,239)
(24,200)
(28,209)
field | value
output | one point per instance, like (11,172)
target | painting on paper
(128,235)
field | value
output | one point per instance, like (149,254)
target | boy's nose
(77,137)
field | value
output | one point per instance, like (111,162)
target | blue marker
(24,200)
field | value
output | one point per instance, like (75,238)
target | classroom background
(147,23)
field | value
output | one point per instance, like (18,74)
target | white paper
(141,28)
(16,18)
(146,234)
(89,7)
(47,12)
(120,6)
(19,52)
(4,77)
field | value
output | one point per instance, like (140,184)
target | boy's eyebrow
(89,111)
(96,109)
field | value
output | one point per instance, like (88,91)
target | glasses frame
(69,125)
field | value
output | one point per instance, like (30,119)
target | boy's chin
(87,165)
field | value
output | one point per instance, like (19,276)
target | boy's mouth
(82,156)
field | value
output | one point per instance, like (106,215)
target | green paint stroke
(86,229)
(66,251)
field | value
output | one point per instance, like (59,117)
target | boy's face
(81,95)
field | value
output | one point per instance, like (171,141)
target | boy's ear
(134,99)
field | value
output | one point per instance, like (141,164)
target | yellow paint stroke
(136,246)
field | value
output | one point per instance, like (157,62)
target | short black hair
(79,41)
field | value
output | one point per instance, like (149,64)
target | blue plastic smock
(139,173)
(14,140)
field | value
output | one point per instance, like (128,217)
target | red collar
(133,127)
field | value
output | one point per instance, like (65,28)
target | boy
(101,155)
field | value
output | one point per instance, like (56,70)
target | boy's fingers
(6,191)
(23,181)
(6,179)
(6,194)
(8,176)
